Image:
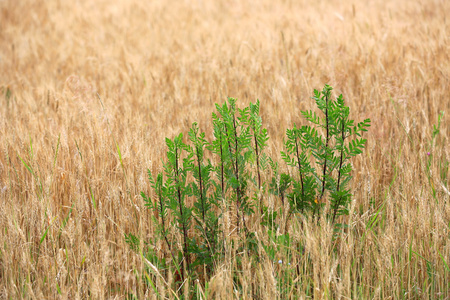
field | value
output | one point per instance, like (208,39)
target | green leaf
(46,231)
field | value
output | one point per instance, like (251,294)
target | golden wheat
(160,66)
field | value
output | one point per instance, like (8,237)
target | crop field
(90,90)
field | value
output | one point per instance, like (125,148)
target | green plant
(206,203)
(233,142)
(260,138)
(202,180)
(331,148)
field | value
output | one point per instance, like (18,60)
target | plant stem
(180,205)
(257,168)
(200,182)
(326,145)
(299,169)
(202,199)
(238,189)
(339,172)
(236,171)
(221,165)
(257,161)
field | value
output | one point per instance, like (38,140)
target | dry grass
(161,66)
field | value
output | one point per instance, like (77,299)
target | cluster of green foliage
(229,171)
(331,170)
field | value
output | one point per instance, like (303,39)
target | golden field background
(159,66)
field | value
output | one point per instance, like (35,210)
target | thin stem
(324,170)
(200,182)
(326,144)
(236,171)
(257,168)
(201,196)
(221,164)
(339,172)
(238,190)
(299,169)
(257,160)
(180,205)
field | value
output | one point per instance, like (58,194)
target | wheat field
(89,90)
